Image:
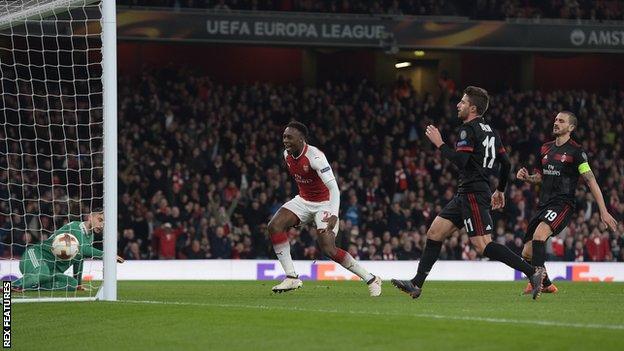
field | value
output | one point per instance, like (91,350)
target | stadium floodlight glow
(419,53)
(59,152)
(402,64)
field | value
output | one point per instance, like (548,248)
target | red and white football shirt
(311,171)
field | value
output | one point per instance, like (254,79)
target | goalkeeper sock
(281,246)
(347,261)
(428,259)
(498,252)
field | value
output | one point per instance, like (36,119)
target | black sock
(539,257)
(503,254)
(429,257)
(539,253)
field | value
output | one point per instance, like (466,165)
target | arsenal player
(318,202)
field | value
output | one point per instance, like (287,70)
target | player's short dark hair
(478,97)
(300,127)
(571,118)
(97,210)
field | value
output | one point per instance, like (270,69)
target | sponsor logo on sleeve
(326,169)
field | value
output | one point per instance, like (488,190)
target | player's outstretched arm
(605,216)
(88,251)
(458,158)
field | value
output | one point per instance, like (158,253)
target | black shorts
(470,210)
(557,215)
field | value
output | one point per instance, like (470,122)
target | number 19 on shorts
(551,215)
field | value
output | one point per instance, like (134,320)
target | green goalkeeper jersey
(85,240)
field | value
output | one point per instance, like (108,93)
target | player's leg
(440,229)
(550,221)
(59,282)
(479,227)
(448,221)
(32,266)
(327,243)
(527,250)
(289,215)
(24,267)
(538,250)
(527,255)
(278,228)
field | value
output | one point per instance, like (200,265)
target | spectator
(132,252)
(597,246)
(194,251)
(165,241)
(220,244)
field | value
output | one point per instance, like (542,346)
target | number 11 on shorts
(468,224)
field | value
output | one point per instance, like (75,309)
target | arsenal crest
(306,168)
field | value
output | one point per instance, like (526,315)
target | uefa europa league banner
(289,28)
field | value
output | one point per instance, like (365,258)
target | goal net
(52,148)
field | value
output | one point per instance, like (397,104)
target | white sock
(352,265)
(282,250)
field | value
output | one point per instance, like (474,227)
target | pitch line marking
(377,313)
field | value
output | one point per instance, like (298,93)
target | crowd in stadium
(476,9)
(202,171)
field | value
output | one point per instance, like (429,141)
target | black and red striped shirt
(559,166)
(484,146)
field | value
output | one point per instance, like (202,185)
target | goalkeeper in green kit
(42,270)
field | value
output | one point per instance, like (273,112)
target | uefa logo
(577,37)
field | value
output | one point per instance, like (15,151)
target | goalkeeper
(41,269)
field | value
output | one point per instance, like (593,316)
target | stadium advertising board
(328,270)
(366,31)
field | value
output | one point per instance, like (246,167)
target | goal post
(109,65)
(58,147)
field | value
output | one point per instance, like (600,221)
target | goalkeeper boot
(374,286)
(289,283)
(407,287)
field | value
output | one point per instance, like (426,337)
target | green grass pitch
(234,315)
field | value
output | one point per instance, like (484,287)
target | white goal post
(58,143)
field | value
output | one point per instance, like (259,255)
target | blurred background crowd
(201,166)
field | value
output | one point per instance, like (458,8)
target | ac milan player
(475,153)
(318,201)
(562,161)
